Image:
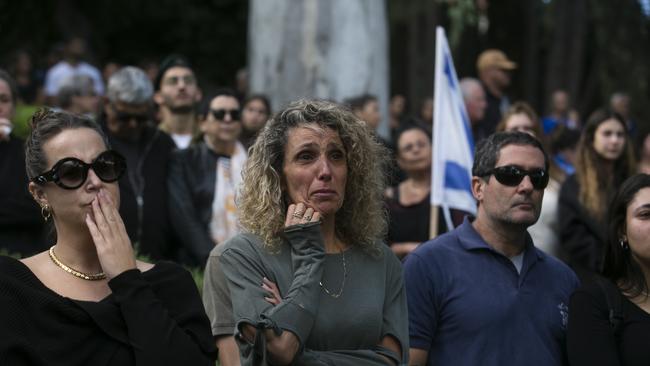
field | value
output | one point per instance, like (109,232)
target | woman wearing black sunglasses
(87,300)
(604,160)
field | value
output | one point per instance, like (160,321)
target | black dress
(22,229)
(151,318)
(411,223)
(591,339)
(581,235)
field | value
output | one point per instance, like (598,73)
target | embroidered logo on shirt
(564,313)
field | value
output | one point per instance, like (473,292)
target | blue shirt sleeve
(423,305)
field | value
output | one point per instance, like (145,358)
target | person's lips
(324,193)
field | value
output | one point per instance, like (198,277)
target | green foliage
(462,14)
(5,252)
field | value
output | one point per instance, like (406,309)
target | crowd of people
(312,228)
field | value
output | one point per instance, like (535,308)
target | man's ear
(478,187)
(38,194)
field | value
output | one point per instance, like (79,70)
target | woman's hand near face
(111,240)
(300,214)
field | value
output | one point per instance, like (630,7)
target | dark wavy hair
(619,264)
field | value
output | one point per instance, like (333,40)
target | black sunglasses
(511,176)
(71,173)
(123,117)
(220,114)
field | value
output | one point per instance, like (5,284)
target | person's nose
(92,181)
(324,169)
(526,185)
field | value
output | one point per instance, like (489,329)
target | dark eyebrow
(644,206)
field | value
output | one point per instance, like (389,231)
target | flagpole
(433,223)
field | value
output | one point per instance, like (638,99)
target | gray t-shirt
(216,296)
(342,331)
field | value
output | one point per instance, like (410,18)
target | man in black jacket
(127,119)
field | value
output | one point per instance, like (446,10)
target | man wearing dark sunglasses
(483,294)
(127,121)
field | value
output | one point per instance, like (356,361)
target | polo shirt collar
(470,239)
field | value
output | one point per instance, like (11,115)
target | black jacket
(21,226)
(143,192)
(581,235)
(192,180)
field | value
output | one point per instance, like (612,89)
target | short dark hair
(359,101)
(45,124)
(262,98)
(487,151)
(618,264)
(204,107)
(166,64)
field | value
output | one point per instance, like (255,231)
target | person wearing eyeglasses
(127,121)
(604,159)
(177,95)
(87,300)
(483,294)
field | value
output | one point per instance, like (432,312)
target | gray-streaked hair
(74,86)
(360,221)
(130,85)
(467,86)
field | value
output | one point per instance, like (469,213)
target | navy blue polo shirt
(468,305)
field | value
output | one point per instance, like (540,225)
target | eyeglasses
(220,114)
(511,176)
(71,173)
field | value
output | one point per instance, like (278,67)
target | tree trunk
(566,63)
(319,49)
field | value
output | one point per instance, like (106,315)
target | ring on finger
(307,218)
(297,215)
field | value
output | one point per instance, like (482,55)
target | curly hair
(597,185)
(263,203)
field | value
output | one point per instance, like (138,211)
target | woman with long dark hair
(604,160)
(610,319)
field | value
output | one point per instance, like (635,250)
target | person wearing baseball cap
(494,68)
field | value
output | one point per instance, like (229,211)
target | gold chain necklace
(74,272)
(345,275)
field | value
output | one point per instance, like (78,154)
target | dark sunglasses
(124,117)
(220,114)
(71,173)
(511,176)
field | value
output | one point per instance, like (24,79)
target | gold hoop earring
(46,212)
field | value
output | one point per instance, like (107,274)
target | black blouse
(591,339)
(150,318)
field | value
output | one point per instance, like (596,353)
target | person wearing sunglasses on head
(127,121)
(483,294)
(87,300)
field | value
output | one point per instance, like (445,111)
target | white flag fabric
(453,144)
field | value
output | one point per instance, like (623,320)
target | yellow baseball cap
(494,58)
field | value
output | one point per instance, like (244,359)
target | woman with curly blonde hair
(310,280)
(604,160)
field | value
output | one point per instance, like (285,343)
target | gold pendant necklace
(345,275)
(74,272)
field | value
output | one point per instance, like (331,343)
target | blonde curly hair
(262,202)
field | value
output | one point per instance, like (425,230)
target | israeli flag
(453,143)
